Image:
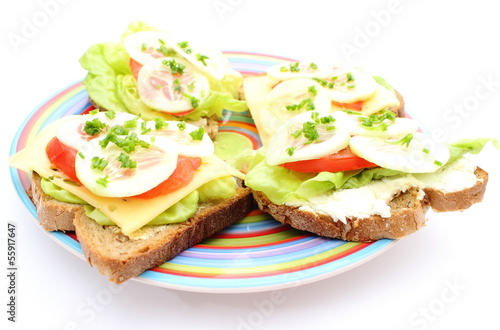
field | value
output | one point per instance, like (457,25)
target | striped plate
(255,254)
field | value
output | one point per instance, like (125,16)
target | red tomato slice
(135,67)
(358,106)
(344,160)
(62,157)
(182,175)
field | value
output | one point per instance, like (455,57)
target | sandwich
(158,75)
(288,89)
(357,177)
(135,192)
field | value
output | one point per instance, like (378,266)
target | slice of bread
(52,214)
(120,257)
(408,210)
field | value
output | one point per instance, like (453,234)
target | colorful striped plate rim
(255,254)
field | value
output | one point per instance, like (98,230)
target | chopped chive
(438,163)
(184,45)
(194,101)
(294,67)
(181,125)
(94,126)
(426,151)
(290,151)
(110,114)
(296,134)
(160,123)
(198,134)
(132,123)
(98,163)
(103,181)
(405,141)
(126,161)
(94,112)
(202,58)
(82,156)
(312,90)
(175,67)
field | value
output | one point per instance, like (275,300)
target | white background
(443,56)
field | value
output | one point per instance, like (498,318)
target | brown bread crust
(52,214)
(407,213)
(121,258)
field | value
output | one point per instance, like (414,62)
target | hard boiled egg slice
(298,70)
(113,172)
(415,153)
(82,129)
(145,46)
(290,98)
(349,85)
(309,135)
(208,60)
(172,85)
(192,140)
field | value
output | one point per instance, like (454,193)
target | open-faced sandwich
(360,177)
(136,192)
(286,90)
(158,75)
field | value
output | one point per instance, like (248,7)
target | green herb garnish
(405,141)
(198,134)
(184,45)
(110,114)
(202,58)
(378,122)
(94,126)
(103,181)
(290,151)
(98,163)
(175,67)
(126,161)
(194,101)
(160,123)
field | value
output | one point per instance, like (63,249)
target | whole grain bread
(408,211)
(120,257)
(399,110)
(52,214)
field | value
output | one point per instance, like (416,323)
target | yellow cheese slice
(256,88)
(382,98)
(130,214)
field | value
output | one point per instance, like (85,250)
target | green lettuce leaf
(472,146)
(282,185)
(111,85)
(382,82)
(215,189)
(181,211)
(60,194)
(178,212)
